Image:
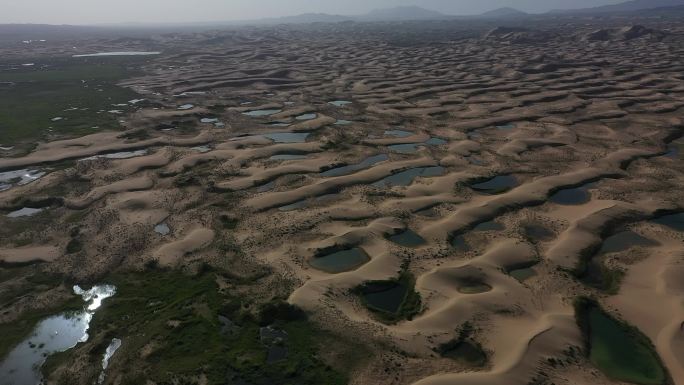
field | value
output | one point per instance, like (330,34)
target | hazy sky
(115,11)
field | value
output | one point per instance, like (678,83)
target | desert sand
(557,107)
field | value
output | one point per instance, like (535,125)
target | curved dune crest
(171,253)
(134,184)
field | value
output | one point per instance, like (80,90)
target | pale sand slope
(106,142)
(30,254)
(133,184)
(651,298)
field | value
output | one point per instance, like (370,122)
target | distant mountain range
(673,8)
(504,12)
(418,13)
(628,6)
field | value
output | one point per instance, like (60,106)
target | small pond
(340,261)
(497,185)
(52,335)
(673,221)
(340,103)
(352,168)
(121,53)
(407,238)
(405,178)
(288,137)
(385,296)
(260,113)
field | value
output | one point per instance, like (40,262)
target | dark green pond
(341,261)
(497,185)
(622,354)
(407,238)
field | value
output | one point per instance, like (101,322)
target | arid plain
(431,202)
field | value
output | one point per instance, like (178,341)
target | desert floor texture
(495,183)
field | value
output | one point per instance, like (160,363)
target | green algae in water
(620,351)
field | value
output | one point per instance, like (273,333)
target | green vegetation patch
(188,327)
(618,349)
(80,91)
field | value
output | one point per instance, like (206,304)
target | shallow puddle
(408,148)
(121,53)
(342,122)
(118,155)
(506,127)
(52,335)
(288,137)
(202,149)
(398,133)
(162,229)
(339,103)
(341,261)
(111,349)
(306,117)
(407,238)
(9,179)
(186,106)
(287,157)
(352,168)
(260,113)
(497,185)
(24,212)
(405,178)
